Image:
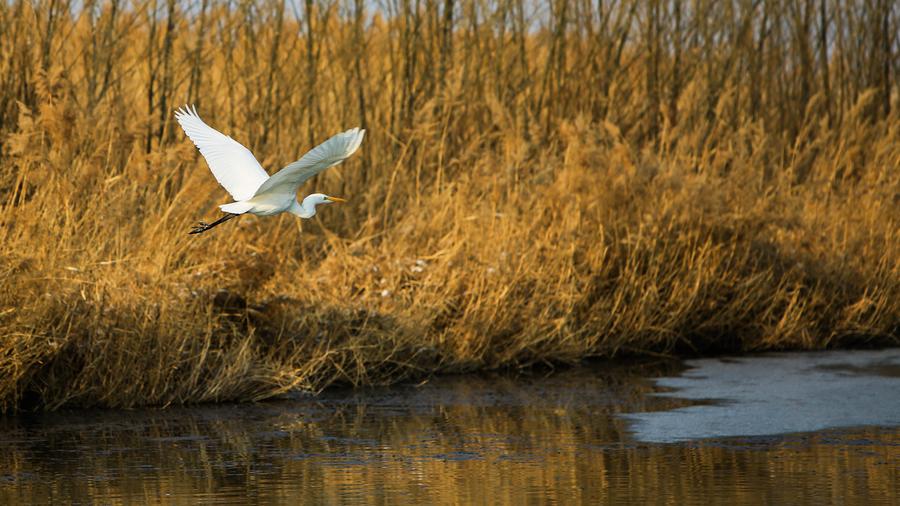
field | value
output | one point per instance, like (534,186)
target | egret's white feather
(328,154)
(233,165)
(236,207)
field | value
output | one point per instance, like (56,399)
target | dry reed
(536,187)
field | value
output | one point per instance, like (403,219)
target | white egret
(254,192)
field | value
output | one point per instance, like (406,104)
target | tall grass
(536,186)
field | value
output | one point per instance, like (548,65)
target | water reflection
(778,393)
(491,439)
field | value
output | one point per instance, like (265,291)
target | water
(778,393)
(819,428)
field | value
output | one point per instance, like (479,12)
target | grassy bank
(533,188)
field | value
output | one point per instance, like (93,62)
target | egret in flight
(254,192)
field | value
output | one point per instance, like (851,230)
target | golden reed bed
(536,187)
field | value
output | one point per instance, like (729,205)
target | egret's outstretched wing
(233,165)
(328,154)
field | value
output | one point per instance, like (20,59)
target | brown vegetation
(586,180)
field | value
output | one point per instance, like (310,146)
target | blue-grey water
(801,428)
(777,394)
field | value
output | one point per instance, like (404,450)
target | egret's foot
(200,227)
(204,226)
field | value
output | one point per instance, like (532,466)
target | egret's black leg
(203,226)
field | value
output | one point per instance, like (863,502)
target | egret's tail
(236,207)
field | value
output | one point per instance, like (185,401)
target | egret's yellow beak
(334,199)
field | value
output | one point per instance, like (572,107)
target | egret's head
(329,199)
(320,198)
(308,208)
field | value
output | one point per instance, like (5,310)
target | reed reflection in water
(483,440)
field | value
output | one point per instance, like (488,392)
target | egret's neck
(306,209)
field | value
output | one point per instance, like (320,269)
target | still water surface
(820,428)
